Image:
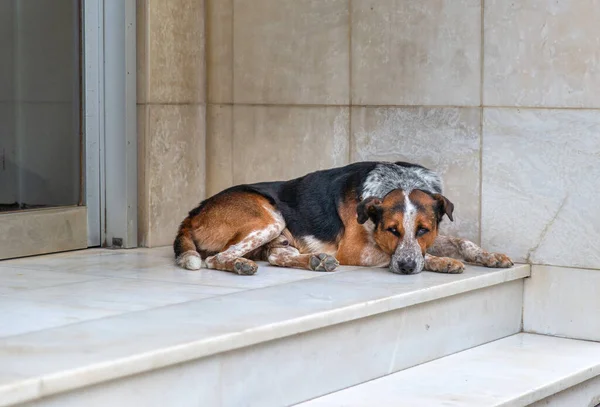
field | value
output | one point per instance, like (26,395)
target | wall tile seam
(232,118)
(205,16)
(145,45)
(335,105)
(481,124)
(350,86)
(144,228)
(205,52)
(173,104)
(539,107)
(387,106)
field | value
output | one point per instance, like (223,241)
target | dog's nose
(407,267)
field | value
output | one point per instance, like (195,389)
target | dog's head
(405,225)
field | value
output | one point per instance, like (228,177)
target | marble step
(521,370)
(270,346)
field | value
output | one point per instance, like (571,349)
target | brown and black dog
(376,214)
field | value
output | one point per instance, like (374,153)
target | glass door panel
(40,113)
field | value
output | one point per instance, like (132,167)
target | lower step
(520,370)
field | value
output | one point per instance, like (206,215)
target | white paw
(190,260)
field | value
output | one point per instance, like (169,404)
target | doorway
(68,134)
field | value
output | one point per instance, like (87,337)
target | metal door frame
(109,72)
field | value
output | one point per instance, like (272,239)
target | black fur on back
(309,204)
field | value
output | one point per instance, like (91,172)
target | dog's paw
(453,266)
(496,260)
(444,265)
(244,267)
(190,260)
(323,262)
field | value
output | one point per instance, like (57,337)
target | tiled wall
(501,99)
(499,96)
(541,155)
(171,115)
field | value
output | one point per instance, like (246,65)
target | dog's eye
(422,231)
(394,231)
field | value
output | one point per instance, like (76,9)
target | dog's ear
(369,208)
(444,207)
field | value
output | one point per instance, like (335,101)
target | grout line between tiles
(482,55)
(206,47)
(389,106)
(480,176)
(35,331)
(99,277)
(174,104)
(481,93)
(10,295)
(146,47)
(350,133)
(109,277)
(232,96)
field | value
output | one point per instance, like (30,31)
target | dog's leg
(291,257)
(443,264)
(281,253)
(445,246)
(231,259)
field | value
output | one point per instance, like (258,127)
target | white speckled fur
(409,249)
(386,177)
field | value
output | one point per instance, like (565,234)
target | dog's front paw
(323,262)
(453,266)
(496,260)
(444,265)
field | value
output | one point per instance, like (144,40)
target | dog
(374,214)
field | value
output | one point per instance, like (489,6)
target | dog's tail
(186,254)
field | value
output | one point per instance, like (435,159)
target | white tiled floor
(50,291)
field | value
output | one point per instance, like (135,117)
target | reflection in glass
(40,143)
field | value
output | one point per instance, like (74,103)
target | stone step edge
(59,382)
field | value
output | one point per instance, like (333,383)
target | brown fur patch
(355,237)
(228,228)
(227,219)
